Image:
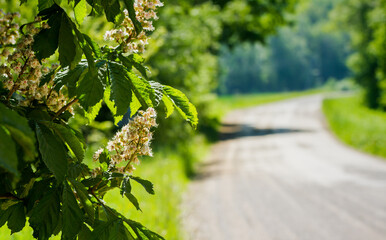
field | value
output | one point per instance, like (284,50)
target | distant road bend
(278,174)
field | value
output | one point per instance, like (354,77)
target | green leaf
(142,232)
(90,89)
(43,4)
(134,60)
(186,109)
(111,105)
(126,186)
(157,92)
(47,40)
(4,215)
(52,151)
(25,142)
(135,105)
(95,48)
(85,233)
(130,8)
(168,105)
(44,216)
(8,157)
(121,93)
(133,200)
(126,190)
(68,136)
(111,230)
(93,111)
(9,117)
(72,214)
(145,183)
(84,199)
(112,10)
(141,89)
(80,11)
(97,8)
(75,169)
(16,220)
(69,49)
(69,78)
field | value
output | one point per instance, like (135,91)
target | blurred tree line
(303,55)
(329,39)
(365,20)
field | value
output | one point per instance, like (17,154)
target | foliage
(186,45)
(366,23)
(357,125)
(180,57)
(43,175)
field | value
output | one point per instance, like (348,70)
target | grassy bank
(357,125)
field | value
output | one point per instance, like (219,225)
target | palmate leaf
(44,216)
(52,150)
(72,214)
(186,109)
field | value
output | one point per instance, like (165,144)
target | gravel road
(278,173)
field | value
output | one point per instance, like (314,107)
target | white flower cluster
(21,72)
(131,141)
(126,35)
(8,30)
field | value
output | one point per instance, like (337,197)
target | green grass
(356,125)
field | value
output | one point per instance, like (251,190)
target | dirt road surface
(279,174)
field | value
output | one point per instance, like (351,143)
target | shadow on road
(233,131)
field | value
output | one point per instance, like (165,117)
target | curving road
(279,174)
